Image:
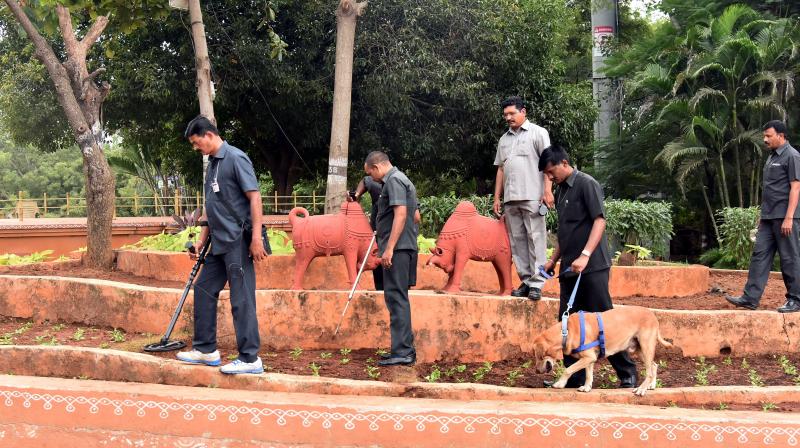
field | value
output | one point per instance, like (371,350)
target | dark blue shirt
(374,189)
(233,172)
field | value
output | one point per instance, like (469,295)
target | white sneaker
(196,357)
(239,366)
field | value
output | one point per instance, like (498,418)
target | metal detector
(165,345)
(358,277)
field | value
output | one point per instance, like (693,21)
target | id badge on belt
(215,186)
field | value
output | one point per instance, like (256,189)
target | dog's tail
(663,341)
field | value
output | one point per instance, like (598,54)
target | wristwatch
(586,252)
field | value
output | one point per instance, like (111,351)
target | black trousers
(769,240)
(234,267)
(593,296)
(377,276)
(396,281)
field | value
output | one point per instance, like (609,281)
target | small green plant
(78,335)
(232,356)
(702,371)
(314,369)
(381,352)
(767,406)
(513,376)
(345,351)
(722,407)
(642,253)
(558,369)
(344,361)
(745,364)
(369,361)
(755,378)
(727,361)
(105,345)
(83,377)
(7,339)
(662,364)
(46,339)
(672,404)
(435,375)
(481,372)
(58,327)
(13,260)
(452,371)
(24,328)
(325,355)
(295,353)
(659,383)
(606,377)
(271,355)
(527,364)
(373,372)
(787,366)
(117,335)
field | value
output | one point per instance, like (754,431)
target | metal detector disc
(167,346)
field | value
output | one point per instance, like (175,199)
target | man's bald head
(375,158)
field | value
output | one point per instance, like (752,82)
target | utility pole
(202,63)
(604,30)
(346,16)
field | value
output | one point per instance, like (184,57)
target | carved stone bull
(346,233)
(469,236)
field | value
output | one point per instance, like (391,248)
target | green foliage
(295,353)
(117,335)
(702,371)
(647,224)
(735,246)
(435,374)
(482,371)
(425,244)
(280,242)
(436,209)
(373,372)
(166,241)
(314,369)
(79,334)
(13,260)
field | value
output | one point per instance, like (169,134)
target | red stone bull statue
(469,236)
(346,233)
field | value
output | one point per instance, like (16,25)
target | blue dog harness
(601,339)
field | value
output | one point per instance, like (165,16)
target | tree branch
(94,32)
(67,32)
(94,74)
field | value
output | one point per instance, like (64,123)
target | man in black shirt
(778,227)
(582,247)
(397,247)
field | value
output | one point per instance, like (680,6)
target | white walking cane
(358,277)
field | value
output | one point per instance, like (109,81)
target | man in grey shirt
(523,190)
(778,228)
(233,205)
(397,247)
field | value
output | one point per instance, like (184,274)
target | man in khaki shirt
(523,190)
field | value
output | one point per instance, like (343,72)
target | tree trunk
(346,17)
(81,100)
(202,64)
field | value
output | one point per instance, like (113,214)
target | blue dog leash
(565,315)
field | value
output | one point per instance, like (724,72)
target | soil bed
(714,299)
(674,370)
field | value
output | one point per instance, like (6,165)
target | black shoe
(742,302)
(522,291)
(791,306)
(535,294)
(398,361)
(548,383)
(628,383)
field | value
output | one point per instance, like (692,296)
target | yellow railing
(23,207)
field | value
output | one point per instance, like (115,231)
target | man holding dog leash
(583,249)
(233,208)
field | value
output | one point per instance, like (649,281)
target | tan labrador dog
(629,328)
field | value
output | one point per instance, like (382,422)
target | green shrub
(12,259)
(735,225)
(278,239)
(436,209)
(646,224)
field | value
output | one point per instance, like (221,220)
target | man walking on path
(778,228)
(524,190)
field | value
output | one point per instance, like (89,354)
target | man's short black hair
(199,126)
(513,101)
(552,155)
(778,125)
(376,157)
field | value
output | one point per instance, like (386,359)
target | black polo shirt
(397,190)
(579,200)
(374,189)
(781,168)
(233,172)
